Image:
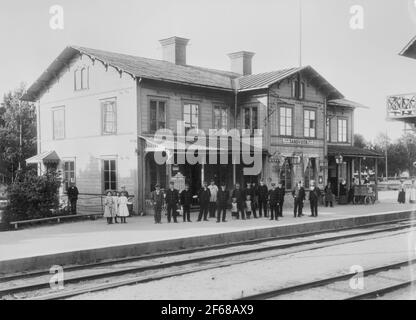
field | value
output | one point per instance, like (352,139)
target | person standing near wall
(249,191)
(158,199)
(273,200)
(213,199)
(298,194)
(186,201)
(263,194)
(204,200)
(314,196)
(73,194)
(281,192)
(172,199)
(222,203)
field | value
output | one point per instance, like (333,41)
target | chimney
(241,62)
(174,50)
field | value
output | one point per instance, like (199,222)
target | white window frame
(61,135)
(103,104)
(308,130)
(286,122)
(342,130)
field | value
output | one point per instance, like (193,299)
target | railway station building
(98,112)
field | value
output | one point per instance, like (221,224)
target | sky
(363,64)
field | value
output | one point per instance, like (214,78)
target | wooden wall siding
(176,97)
(313,100)
(344,113)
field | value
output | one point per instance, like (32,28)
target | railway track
(36,284)
(339,286)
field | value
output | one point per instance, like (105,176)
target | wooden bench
(58,219)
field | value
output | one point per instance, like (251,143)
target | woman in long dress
(115,206)
(123,210)
(108,207)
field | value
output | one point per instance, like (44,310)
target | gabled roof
(138,67)
(410,49)
(265,80)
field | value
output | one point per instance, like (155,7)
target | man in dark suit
(186,201)
(239,195)
(172,199)
(73,198)
(249,191)
(273,200)
(280,198)
(204,199)
(298,197)
(263,194)
(314,196)
(222,203)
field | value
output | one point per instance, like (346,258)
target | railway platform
(86,242)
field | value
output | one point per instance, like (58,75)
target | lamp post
(339,160)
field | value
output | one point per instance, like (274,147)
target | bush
(32,196)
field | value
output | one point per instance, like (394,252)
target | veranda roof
(45,157)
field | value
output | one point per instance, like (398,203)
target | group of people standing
(115,206)
(214,201)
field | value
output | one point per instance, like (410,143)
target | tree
(32,196)
(14,113)
(359,141)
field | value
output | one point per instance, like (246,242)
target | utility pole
(300,32)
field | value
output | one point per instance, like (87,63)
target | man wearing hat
(186,201)
(172,199)
(73,197)
(158,199)
(274,212)
(263,194)
(314,196)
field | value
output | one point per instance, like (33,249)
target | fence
(89,203)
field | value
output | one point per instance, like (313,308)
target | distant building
(98,111)
(402,107)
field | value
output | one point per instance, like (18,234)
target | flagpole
(300,32)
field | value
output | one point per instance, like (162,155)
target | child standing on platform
(234,209)
(108,207)
(248,206)
(123,210)
(115,206)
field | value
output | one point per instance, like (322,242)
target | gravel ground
(253,277)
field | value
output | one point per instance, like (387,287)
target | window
(69,173)
(251,118)
(309,123)
(220,117)
(109,175)
(328,129)
(191,116)
(298,90)
(342,130)
(302,91)
(58,116)
(286,121)
(157,115)
(84,78)
(81,79)
(109,116)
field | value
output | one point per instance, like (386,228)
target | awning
(153,145)
(349,151)
(46,157)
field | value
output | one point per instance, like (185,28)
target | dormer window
(81,79)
